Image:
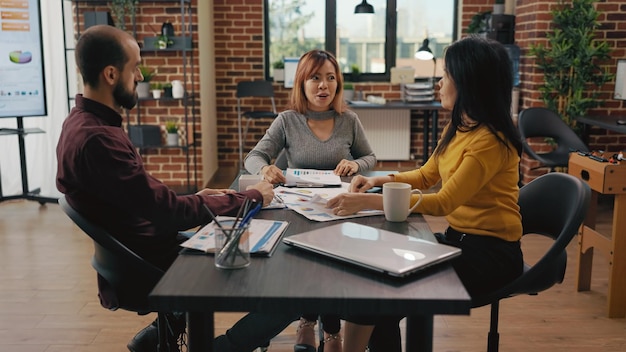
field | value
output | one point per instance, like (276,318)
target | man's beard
(124,98)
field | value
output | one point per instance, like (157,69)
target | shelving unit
(181,51)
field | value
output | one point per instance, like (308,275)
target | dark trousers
(331,324)
(486,263)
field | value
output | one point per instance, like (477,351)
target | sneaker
(146,340)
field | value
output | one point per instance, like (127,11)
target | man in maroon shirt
(103,177)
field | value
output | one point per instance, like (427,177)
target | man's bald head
(98,47)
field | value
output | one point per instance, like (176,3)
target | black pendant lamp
(364,7)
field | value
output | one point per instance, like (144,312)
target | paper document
(312,178)
(264,235)
(311,202)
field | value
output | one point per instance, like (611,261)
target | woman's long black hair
(483,76)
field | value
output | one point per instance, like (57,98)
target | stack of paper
(264,235)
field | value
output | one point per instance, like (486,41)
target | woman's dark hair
(97,48)
(481,71)
(309,64)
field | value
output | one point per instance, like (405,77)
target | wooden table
(193,285)
(603,178)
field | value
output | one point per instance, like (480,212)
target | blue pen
(250,215)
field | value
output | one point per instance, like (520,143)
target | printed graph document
(311,178)
(264,235)
(311,202)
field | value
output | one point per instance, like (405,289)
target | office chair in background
(129,276)
(252,89)
(542,122)
(553,205)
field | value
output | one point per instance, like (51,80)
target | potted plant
(155,88)
(279,70)
(120,9)
(163,41)
(479,24)
(143,87)
(571,68)
(171,127)
(355,70)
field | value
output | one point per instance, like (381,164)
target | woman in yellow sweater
(477,162)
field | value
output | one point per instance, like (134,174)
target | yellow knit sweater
(479,189)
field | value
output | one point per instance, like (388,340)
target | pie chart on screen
(20,57)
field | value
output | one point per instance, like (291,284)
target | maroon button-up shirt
(103,177)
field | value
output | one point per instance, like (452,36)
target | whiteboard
(620,80)
(291,63)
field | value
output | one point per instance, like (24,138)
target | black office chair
(553,205)
(129,276)
(252,89)
(542,122)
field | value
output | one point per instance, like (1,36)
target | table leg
(419,333)
(585,253)
(200,328)
(617,260)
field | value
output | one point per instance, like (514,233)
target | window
(374,43)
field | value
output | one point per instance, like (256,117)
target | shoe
(146,340)
(305,333)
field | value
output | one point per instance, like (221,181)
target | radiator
(388,131)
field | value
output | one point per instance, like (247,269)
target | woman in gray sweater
(317,132)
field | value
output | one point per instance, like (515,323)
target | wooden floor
(48,299)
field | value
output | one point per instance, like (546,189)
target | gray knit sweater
(304,150)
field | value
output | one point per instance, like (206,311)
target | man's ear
(110,74)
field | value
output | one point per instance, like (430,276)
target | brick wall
(239,56)
(167,164)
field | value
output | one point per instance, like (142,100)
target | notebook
(375,249)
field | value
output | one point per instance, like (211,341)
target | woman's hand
(351,203)
(360,184)
(346,168)
(272,174)
(266,189)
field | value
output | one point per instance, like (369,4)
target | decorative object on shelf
(178,91)
(279,70)
(121,8)
(167,90)
(424,53)
(572,61)
(167,29)
(498,7)
(143,87)
(348,91)
(171,127)
(364,7)
(155,88)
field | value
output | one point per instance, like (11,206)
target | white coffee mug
(397,200)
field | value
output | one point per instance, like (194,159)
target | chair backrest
(130,276)
(553,205)
(542,122)
(259,88)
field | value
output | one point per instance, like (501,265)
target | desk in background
(294,281)
(606,122)
(388,127)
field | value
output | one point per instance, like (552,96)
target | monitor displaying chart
(22,84)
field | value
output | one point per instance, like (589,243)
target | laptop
(375,249)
